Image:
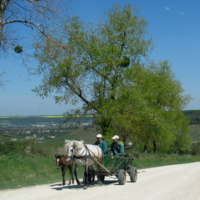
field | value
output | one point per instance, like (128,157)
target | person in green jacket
(102,144)
(117,149)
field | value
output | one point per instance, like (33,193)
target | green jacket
(117,149)
(103,145)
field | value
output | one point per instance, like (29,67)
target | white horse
(81,155)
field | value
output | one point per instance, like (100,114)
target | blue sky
(173,25)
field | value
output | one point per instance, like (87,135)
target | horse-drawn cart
(118,166)
(92,159)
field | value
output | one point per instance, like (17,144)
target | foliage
(195,149)
(90,66)
(103,67)
(183,142)
(18,49)
(150,110)
(9,148)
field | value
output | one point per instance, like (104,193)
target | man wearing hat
(117,149)
(102,144)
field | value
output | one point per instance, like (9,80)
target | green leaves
(102,68)
(18,49)
(124,62)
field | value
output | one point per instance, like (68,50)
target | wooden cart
(118,166)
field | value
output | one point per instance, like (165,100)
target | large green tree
(103,66)
(166,98)
(91,62)
(149,107)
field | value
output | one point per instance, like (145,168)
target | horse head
(69,149)
(72,148)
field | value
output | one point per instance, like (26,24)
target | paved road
(172,182)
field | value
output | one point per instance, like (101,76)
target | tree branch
(1,79)
(4,4)
(30,23)
(79,93)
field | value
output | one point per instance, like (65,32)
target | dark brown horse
(61,162)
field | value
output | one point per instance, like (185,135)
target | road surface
(172,182)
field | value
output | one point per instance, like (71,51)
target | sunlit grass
(26,170)
(19,171)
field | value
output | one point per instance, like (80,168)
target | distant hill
(195,132)
(17,121)
(87,135)
(193,115)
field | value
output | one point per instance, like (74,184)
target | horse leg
(91,176)
(75,173)
(70,176)
(63,174)
(71,173)
(99,178)
(86,179)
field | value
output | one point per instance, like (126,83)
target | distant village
(49,129)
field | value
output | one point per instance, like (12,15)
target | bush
(195,149)
(31,147)
(11,147)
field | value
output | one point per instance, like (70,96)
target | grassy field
(20,169)
(156,160)
(26,170)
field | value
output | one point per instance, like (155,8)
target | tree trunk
(145,148)
(154,147)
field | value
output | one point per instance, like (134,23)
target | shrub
(195,149)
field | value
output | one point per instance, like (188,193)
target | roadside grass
(149,160)
(29,169)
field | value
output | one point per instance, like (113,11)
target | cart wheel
(122,176)
(133,174)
